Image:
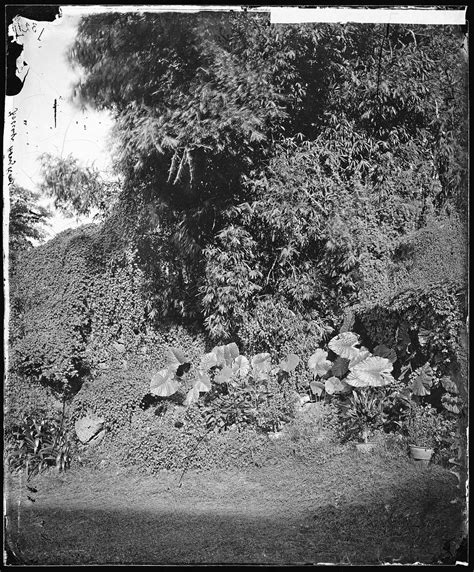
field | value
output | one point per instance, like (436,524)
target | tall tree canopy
(277,165)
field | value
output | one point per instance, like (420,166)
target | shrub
(36,444)
(422,315)
(271,326)
(265,406)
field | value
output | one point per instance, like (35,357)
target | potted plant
(421,429)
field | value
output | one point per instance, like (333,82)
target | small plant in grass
(362,414)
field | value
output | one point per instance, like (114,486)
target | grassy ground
(350,509)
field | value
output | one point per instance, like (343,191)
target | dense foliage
(49,311)
(279,185)
(74,301)
(279,162)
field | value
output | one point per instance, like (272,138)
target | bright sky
(84,134)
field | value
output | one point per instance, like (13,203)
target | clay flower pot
(421,454)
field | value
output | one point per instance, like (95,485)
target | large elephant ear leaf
(261,365)
(241,366)
(335,385)
(344,345)
(385,352)
(317,387)
(373,371)
(361,356)
(219,352)
(318,364)
(231,351)
(177,362)
(163,383)
(202,381)
(224,375)
(208,361)
(422,379)
(192,396)
(290,363)
(340,367)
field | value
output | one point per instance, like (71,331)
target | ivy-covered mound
(76,303)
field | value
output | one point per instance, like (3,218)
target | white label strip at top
(368,16)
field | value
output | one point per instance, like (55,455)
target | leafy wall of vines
(79,306)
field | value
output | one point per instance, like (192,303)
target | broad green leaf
(163,383)
(261,365)
(290,363)
(451,403)
(175,359)
(318,363)
(231,352)
(344,345)
(261,362)
(449,385)
(192,396)
(224,375)
(207,361)
(385,352)
(219,352)
(422,379)
(241,366)
(263,358)
(317,387)
(361,356)
(335,385)
(202,381)
(419,388)
(373,371)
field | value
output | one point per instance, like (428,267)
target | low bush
(36,444)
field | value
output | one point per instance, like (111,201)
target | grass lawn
(352,509)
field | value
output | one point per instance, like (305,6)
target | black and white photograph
(236,259)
